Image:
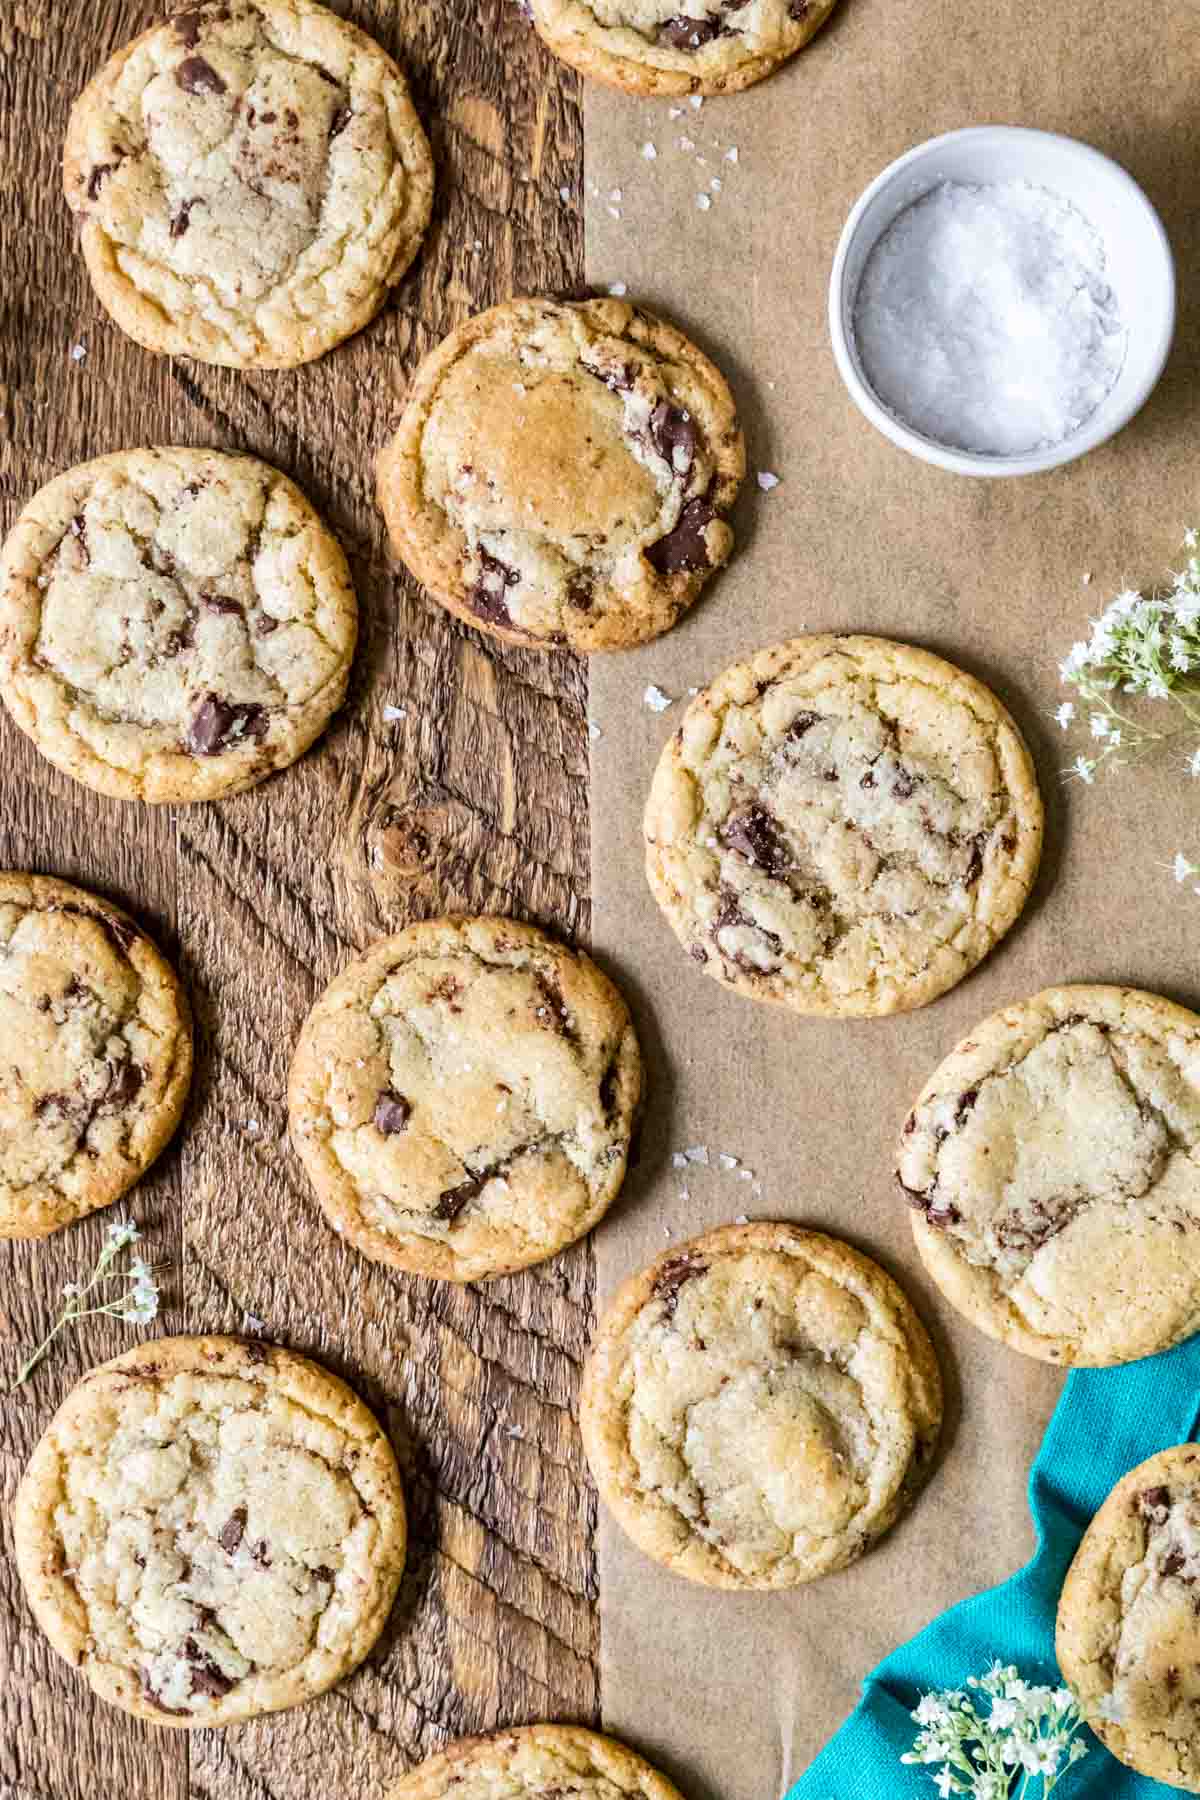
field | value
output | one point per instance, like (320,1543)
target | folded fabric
(1106,1422)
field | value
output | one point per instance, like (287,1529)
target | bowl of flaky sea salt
(1002,300)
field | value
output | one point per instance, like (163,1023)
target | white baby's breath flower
(1065,714)
(1191,539)
(1085,768)
(1182,869)
(1194,763)
(1099,725)
(137,1304)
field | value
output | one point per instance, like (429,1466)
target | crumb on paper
(767,480)
(618,290)
(650,151)
(393,713)
(656,700)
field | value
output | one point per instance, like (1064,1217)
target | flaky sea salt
(984,318)
(618,290)
(656,700)
(767,481)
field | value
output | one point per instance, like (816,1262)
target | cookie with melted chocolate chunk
(174,624)
(211,1530)
(95,1054)
(562,474)
(463,1098)
(759,1406)
(1052,1163)
(250,180)
(843,825)
(678,46)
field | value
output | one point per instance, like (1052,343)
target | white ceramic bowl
(1141,270)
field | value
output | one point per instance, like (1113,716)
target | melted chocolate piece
(966,1104)
(487,597)
(904,785)
(219,723)
(78,530)
(580,593)
(222,603)
(1154,1504)
(684,550)
(260,1554)
(682,33)
(182,219)
(608,1091)
(256,1352)
(938,1214)
(799,9)
(452,1200)
(124,1083)
(322,1573)
(339,122)
(698,953)
(97,178)
(755,835)
(555,1005)
(207,1676)
(673,1276)
(672,429)
(195,76)
(617,381)
(1173,1561)
(152,1695)
(801,724)
(233,1530)
(392,1112)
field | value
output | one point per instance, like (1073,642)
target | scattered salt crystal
(615,196)
(731,155)
(767,481)
(742,1219)
(477,246)
(594,190)
(393,713)
(594,731)
(656,700)
(727,1162)
(703,202)
(1087,579)
(564,194)
(685,143)
(513,1431)
(698,1153)
(716,184)
(250,1323)
(649,151)
(618,290)
(675,112)
(745,1174)
(614,212)
(678,1160)
(252,1127)
(79,353)
(666,1231)
(771,385)
(692,692)
(985,318)
(696,101)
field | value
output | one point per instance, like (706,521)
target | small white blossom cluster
(136,1303)
(1027,1733)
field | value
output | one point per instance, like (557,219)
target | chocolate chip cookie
(174,624)
(95,1054)
(1129,1620)
(677,46)
(250,179)
(536,1762)
(210,1530)
(463,1098)
(759,1406)
(1053,1166)
(562,473)
(843,825)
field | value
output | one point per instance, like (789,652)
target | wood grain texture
(475,799)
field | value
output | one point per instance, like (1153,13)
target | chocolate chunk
(1027,1233)
(182,219)
(124,1083)
(182,638)
(322,1572)
(904,785)
(684,549)
(754,834)
(256,1352)
(78,530)
(682,33)
(260,1554)
(939,1214)
(57,1107)
(487,597)
(392,1112)
(672,429)
(966,1103)
(618,381)
(1154,1504)
(1173,1561)
(97,178)
(608,1091)
(188,24)
(673,1276)
(452,1200)
(868,780)
(799,9)
(698,953)
(266,625)
(801,724)
(208,1677)
(195,76)
(555,1006)
(222,603)
(153,1696)
(339,122)
(219,723)
(233,1530)
(580,593)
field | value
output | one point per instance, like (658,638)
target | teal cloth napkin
(1106,1422)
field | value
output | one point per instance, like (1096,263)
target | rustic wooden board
(476,799)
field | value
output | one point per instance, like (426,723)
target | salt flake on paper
(767,481)
(656,700)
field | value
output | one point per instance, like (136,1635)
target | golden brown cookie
(463,1097)
(843,825)
(250,179)
(536,1762)
(1128,1628)
(759,1406)
(210,1530)
(677,46)
(1052,1163)
(95,1054)
(562,473)
(174,624)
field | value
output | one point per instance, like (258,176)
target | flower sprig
(136,1303)
(1026,1734)
(1146,646)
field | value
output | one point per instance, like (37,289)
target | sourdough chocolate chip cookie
(210,1530)
(536,1762)
(759,1406)
(677,46)
(1053,1167)
(95,1054)
(1128,1621)
(562,473)
(463,1098)
(174,624)
(249,179)
(843,825)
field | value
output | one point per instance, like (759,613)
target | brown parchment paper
(735,1694)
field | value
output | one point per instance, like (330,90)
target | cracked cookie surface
(210,1530)
(463,1098)
(759,1406)
(677,46)
(843,825)
(536,1762)
(174,624)
(1128,1638)
(561,474)
(95,1054)
(1052,1163)
(250,180)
